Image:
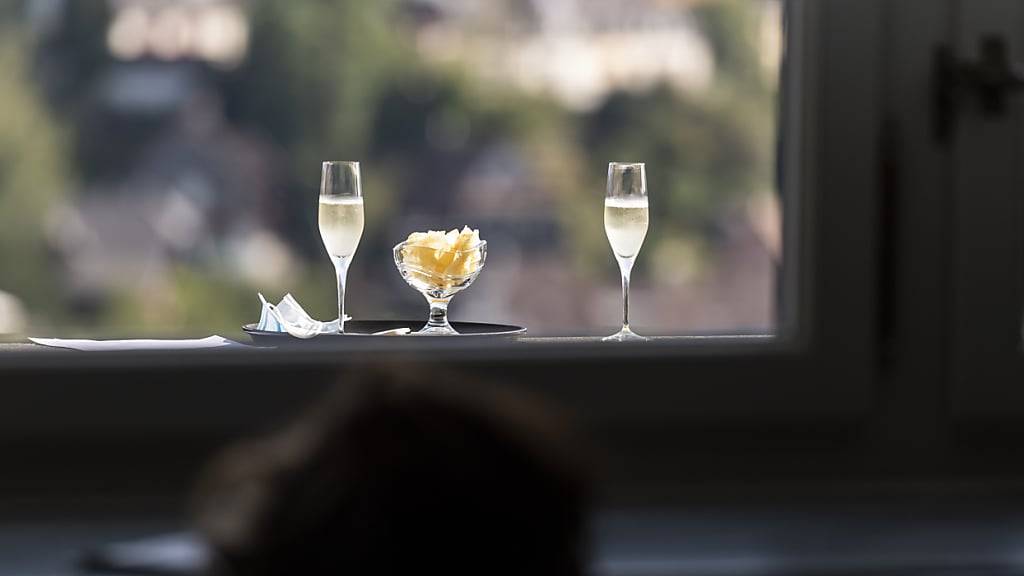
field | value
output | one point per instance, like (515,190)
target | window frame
(822,364)
(987,360)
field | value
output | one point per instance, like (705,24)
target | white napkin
(288,316)
(126,345)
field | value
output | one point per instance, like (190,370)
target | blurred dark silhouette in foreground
(389,476)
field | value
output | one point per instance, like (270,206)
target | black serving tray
(367,328)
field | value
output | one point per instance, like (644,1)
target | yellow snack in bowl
(435,252)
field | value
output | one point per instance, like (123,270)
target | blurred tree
(313,75)
(701,154)
(704,152)
(732,28)
(70,57)
(33,179)
(311,82)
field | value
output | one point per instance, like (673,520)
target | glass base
(437,322)
(625,335)
(428,330)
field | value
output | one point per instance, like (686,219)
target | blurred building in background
(575,51)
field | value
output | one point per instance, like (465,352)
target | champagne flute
(341,221)
(625,224)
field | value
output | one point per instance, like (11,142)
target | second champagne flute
(341,221)
(625,223)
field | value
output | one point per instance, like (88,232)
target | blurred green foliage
(704,152)
(34,176)
(313,76)
(340,79)
(732,29)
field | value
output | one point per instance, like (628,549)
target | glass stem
(438,313)
(341,268)
(626,267)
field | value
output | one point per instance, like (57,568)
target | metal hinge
(989,81)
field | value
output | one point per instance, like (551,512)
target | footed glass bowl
(439,275)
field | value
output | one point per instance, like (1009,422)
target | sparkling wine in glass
(625,223)
(341,221)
